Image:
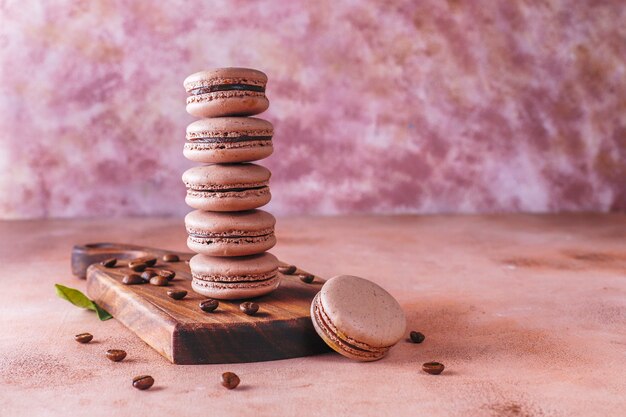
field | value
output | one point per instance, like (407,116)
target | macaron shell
(235,201)
(363,311)
(227,103)
(241,247)
(228,75)
(226,174)
(205,154)
(246,221)
(226,292)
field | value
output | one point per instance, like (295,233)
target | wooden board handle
(85,255)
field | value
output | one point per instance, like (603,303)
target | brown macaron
(227,187)
(230,233)
(229,139)
(236,277)
(226,92)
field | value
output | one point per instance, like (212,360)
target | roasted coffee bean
(287,270)
(249,308)
(177,294)
(146,275)
(132,279)
(166,273)
(209,305)
(433,368)
(159,281)
(143,382)
(307,278)
(109,263)
(83,337)
(230,380)
(137,266)
(116,355)
(170,257)
(417,337)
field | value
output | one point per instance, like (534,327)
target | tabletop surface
(527,312)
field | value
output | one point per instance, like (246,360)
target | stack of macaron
(227,230)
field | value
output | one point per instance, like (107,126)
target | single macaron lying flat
(227,187)
(229,139)
(235,277)
(357,318)
(230,233)
(226,92)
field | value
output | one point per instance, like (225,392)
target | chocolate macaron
(229,139)
(230,233)
(357,318)
(226,92)
(227,187)
(235,277)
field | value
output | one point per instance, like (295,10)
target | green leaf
(80,300)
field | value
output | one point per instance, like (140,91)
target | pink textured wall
(414,106)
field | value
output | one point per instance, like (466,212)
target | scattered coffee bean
(249,308)
(287,270)
(170,257)
(109,263)
(146,275)
(116,355)
(433,368)
(307,278)
(137,266)
(159,281)
(177,294)
(143,382)
(83,337)
(417,337)
(209,305)
(230,380)
(150,261)
(132,279)
(166,273)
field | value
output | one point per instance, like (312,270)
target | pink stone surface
(430,106)
(527,313)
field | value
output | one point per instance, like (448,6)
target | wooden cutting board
(182,332)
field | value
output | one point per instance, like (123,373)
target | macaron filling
(232,237)
(226,87)
(225,139)
(342,341)
(221,189)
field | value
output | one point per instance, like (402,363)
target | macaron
(357,318)
(235,233)
(227,187)
(234,278)
(229,139)
(226,92)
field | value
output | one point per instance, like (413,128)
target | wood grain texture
(183,333)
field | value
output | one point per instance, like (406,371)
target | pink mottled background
(410,106)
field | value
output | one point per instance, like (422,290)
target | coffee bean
(143,382)
(137,266)
(417,337)
(166,273)
(249,308)
(177,294)
(433,368)
(307,278)
(132,279)
(116,355)
(170,257)
(83,337)
(109,263)
(148,260)
(209,305)
(159,281)
(287,270)
(146,275)
(230,380)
